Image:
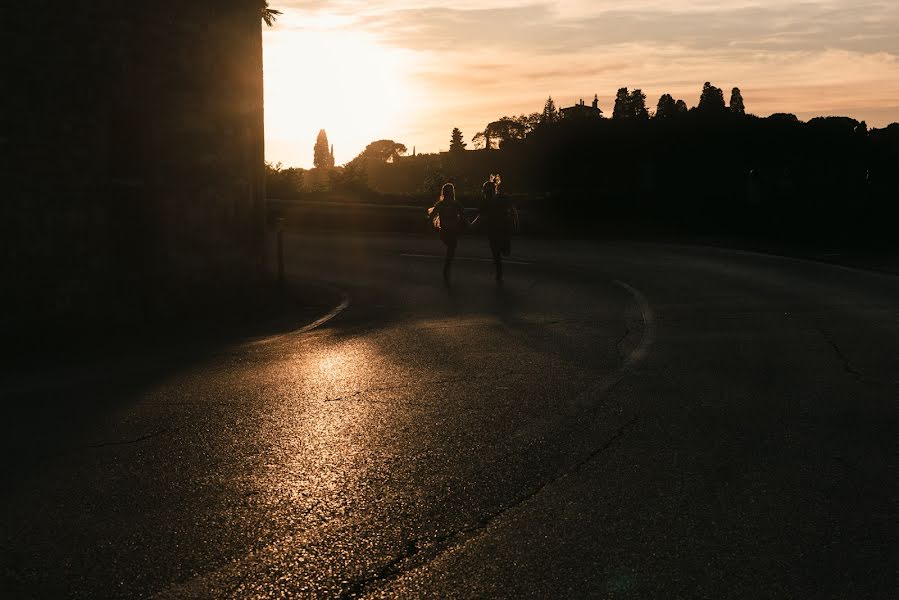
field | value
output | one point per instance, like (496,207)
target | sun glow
(333,79)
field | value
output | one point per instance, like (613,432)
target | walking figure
(448,218)
(498,210)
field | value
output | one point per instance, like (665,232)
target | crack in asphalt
(847,365)
(127,442)
(436,547)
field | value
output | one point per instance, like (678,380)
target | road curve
(617,420)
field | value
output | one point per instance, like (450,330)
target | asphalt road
(616,421)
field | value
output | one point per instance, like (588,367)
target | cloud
(478,60)
(560,27)
(539,29)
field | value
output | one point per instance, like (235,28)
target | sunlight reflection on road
(343,408)
(334,366)
(380,427)
(316,438)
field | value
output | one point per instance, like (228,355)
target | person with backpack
(448,219)
(500,214)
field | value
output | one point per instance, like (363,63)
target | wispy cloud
(539,28)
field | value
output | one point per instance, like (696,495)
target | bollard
(279,224)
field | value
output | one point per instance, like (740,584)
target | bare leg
(447,262)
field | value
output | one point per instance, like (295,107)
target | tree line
(292,182)
(714,165)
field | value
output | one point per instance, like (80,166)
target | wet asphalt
(614,421)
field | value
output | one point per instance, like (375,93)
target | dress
(450,214)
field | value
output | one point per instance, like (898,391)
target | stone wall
(132,154)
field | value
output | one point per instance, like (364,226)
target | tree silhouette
(736,102)
(456,143)
(504,130)
(817,179)
(384,150)
(331,157)
(783,118)
(622,104)
(667,107)
(630,105)
(269,15)
(281,182)
(637,105)
(550,113)
(353,176)
(711,100)
(530,122)
(321,154)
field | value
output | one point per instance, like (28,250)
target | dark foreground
(616,421)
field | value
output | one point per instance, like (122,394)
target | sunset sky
(411,71)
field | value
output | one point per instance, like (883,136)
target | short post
(279,225)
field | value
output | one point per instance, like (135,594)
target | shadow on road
(62,384)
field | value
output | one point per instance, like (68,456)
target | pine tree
(384,150)
(736,102)
(331,157)
(456,143)
(550,113)
(321,156)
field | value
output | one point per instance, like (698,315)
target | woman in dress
(447,217)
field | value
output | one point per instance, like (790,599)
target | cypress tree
(736,102)
(321,156)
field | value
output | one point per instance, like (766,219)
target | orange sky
(411,71)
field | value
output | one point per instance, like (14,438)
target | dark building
(132,153)
(581,110)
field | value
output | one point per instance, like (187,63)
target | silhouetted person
(499,212)
(447,217)
(489,188)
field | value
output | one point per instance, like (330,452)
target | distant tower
(595,100)
(413,151)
